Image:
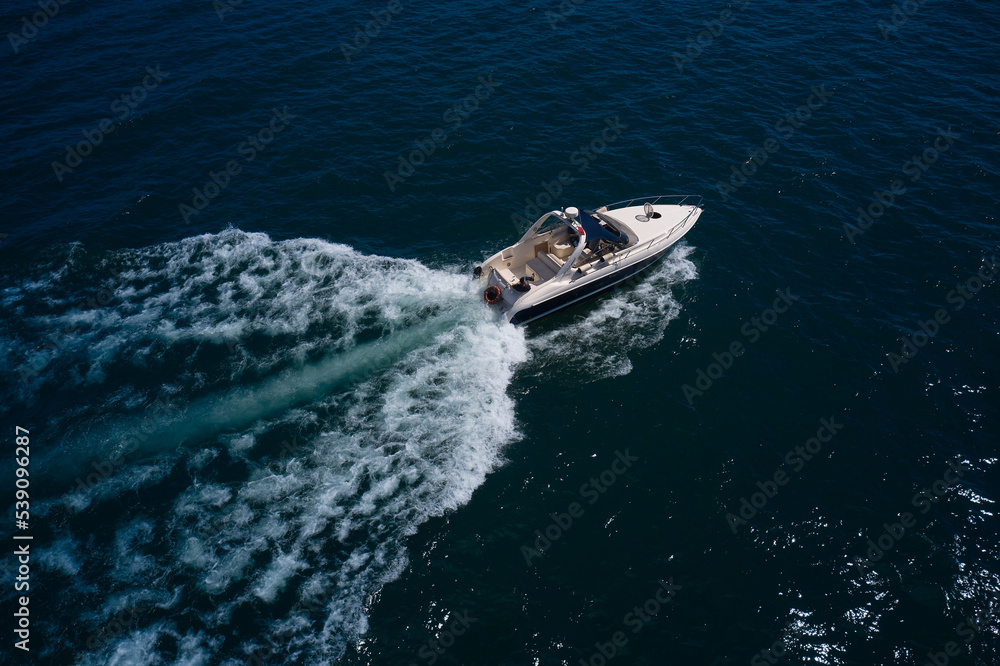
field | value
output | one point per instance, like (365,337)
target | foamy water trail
(253,429)
(596,345)
(317,404)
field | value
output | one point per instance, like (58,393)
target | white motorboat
(569,255)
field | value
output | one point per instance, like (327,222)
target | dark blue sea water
(271,421)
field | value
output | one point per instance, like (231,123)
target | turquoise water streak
(272,420)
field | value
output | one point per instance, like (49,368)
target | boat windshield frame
(565,219)
(569,222)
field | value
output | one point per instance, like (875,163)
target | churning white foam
(347,399)
(596,345)
(318,404)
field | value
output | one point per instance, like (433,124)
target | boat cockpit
(544,250)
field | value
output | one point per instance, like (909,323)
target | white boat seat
(542,270)
(507,275)
(562,249)
(550,261)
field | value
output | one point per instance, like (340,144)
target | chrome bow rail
(692,200)
(675,200)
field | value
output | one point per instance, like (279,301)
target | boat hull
(583,292)
(543,273)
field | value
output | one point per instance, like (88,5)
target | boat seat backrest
(540,268)
(550,261)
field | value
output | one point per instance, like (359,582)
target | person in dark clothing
(522,284)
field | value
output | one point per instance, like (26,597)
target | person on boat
(522,284)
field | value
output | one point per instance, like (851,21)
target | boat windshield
(551,224)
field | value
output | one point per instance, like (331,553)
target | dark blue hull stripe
(583,291)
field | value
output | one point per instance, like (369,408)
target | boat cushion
(550,261)
(541,269)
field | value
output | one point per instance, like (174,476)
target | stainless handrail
(662,237)
(654,199)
